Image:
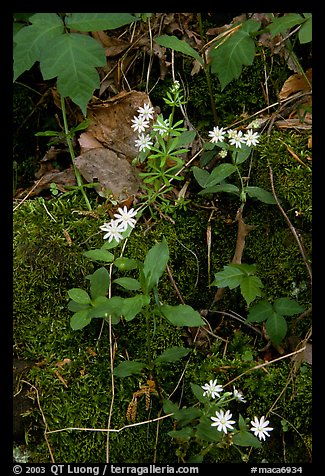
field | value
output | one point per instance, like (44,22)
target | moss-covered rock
(72,373)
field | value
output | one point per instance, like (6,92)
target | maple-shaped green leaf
(250,287)
(98,21)
(73,58)
(33,39)
(238,50)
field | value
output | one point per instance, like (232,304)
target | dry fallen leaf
(114,174)
(295,83)
(111,120)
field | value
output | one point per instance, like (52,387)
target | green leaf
(169,406)
(182,315)
(229,57)
(241,423)
(305,34)
(245,268)
(224,187)
(185,138)
(250,287)
(285,22)
(74,306)
(183,434)
(245,438)
(98,21)
(186,415)
(230,277)
(132,306)
(32,40)
(276,328)
(99,283)
(206,432)
(201,176)
(127,368)
(104,307)
(242,154)
(155,264)
(260,312)
(80,319)
(261,194)
(99,255)
(128,283)
(219,173)
(287,307)
(198,392)
(73,59)
(172,354)
(174,43)
(79,295)
(126,264)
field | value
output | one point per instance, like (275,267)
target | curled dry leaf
(295,83)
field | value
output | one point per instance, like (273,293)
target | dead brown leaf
(114,173)
(295,83)
(113,46)
(110,121)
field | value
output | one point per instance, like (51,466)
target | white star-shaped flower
(113,231)
(143,142)
(251,138)
(140,124)
(146,112)
(125,218)
(259,427)
(211,389)
(217,134)
(223,422)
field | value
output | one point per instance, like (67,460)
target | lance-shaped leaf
(219,173)
(182,315)
(128,283)
(99,255)
(73,59)
(287,307)
(99,283)
(174,43)
(172,354)
(155,264)
(276,328)
(261,194)
(127,368)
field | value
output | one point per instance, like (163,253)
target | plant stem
(69,142)
(147,314)
(207,74)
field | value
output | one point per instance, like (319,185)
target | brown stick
(242,232)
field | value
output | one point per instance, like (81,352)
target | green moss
(46,266)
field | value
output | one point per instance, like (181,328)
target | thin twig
(44,419)
(110,430)
(28,194)
(265,364)
(292,228)
(174,285)
(111,356)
